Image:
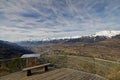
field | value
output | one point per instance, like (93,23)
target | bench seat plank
(33,67)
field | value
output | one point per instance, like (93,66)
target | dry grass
(108,49)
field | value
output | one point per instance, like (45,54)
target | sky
(49,19)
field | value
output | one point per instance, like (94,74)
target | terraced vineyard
(58,74)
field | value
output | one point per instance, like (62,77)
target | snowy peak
(100,33)
(107,33)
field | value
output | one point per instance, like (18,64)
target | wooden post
(46,68)
(26,62)
(28,72)
(35,61)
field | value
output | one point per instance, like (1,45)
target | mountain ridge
(98,36)
(11,50)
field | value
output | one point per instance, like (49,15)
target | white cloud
(38,19)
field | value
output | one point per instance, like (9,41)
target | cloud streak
(39,19)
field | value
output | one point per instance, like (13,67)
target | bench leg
(46,68)
(28,72)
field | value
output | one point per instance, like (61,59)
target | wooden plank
(49,74)
(33,67)
(57,75)
(65,77)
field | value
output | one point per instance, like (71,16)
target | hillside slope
(107,49)
(11,50)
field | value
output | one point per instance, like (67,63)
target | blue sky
(40,19)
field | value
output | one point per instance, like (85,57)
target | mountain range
(98,36)
(104,47)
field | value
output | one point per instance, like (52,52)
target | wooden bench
(28,69)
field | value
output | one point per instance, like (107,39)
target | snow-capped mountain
(97,36)
(107,33)
(100,33)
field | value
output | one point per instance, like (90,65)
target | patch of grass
(105,68)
